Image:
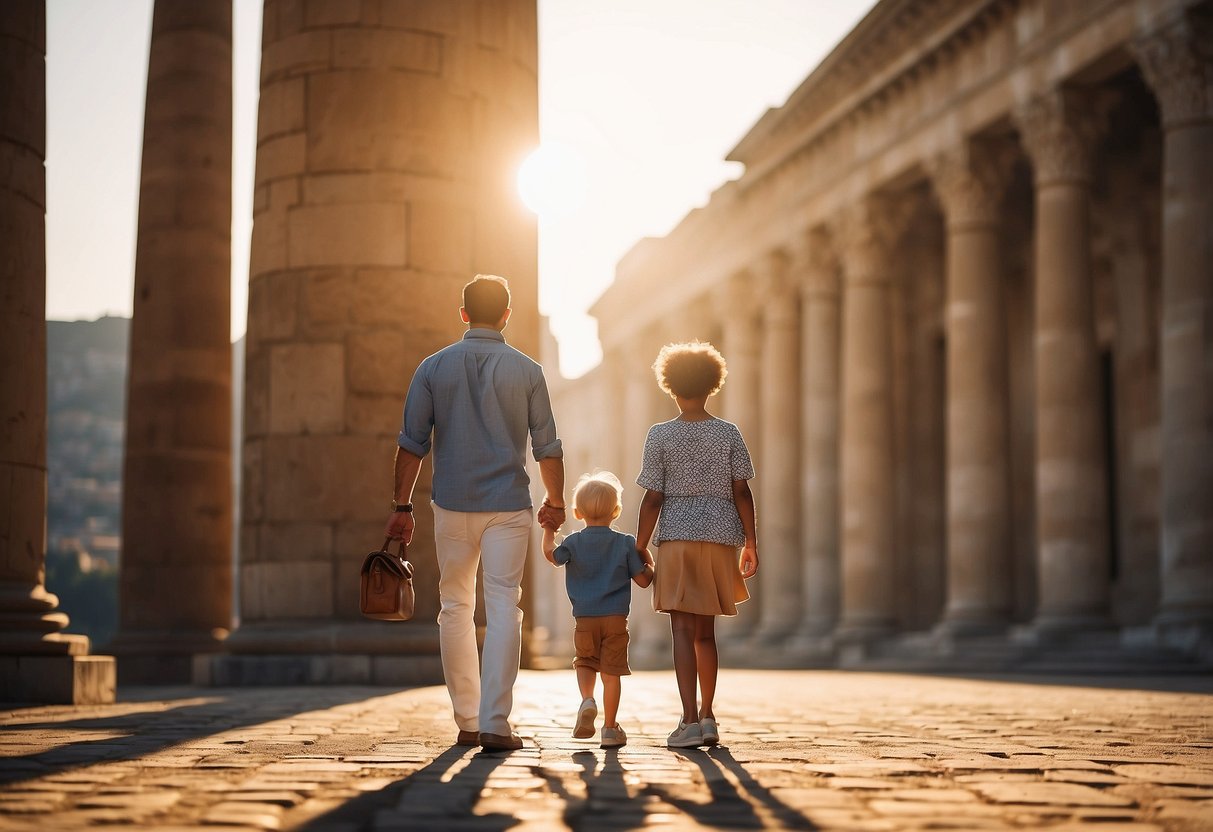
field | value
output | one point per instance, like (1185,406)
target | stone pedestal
(38,661)
(741,397)
(779,523)
(1059,130)
(867,479)
(1178,63)
(820,376)
(388,137)
(175,597)
(970,181)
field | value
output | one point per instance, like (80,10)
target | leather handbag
(387,585)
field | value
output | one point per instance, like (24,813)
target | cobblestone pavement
(800,750)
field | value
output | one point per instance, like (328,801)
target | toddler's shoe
(685,736)
(613,737)
(711,733)
(585,719)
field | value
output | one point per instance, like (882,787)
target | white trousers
(482,695)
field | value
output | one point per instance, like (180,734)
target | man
(476,400)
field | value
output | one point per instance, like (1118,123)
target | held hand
(550,517)
(646,556)
(400,525)
(749,561)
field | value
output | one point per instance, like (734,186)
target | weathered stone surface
(304,383)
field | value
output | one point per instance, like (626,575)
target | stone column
(1059,130)
(177,473)
(1178,63)
(970,181)
(779,518)
(867,483)
(819,383)
(38,661)
(388,135)
(741,397)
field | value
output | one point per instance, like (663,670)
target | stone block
(347,567)
(281,108)
(303,589)
(330,12)
(290,542)
(257,393)
(381,186)
(268,249)
(273,305)
(280,157)
(370,234)
(395,48)
(405,671)
(261,199)
(58,680)
(284,193)
(326,307)
(375,414)
(383,360)
(440,237)
(307,383)
(340,670)
(252,481)
(296,54)
(423,15)
(429,303)
(326,478)
(386,120)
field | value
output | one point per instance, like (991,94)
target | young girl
(696,471)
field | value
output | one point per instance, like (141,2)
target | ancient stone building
(964,286)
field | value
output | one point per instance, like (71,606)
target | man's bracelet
(547,503)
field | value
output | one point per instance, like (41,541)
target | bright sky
(640,101)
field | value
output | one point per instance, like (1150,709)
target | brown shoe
(468,738)
(497,742)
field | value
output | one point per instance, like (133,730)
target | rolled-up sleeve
(544,441)
(417,424)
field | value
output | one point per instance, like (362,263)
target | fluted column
(779,518)
(1178,63)
(741,398)
(867,487)
(38,661)
(177,477)
(1059,130)
(970,181)
(819,385)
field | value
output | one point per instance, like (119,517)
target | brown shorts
(602,644)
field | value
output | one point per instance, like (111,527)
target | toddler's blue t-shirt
(599,565)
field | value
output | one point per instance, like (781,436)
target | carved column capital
(1059,130)
(734,298)
(815,264)
(1177,62)
(866,231)
(970,180)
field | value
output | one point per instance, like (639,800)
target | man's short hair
(486,298)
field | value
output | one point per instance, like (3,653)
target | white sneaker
(685,736)
(613,737)
(586,715)
(711,733)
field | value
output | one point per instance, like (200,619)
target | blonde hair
(598,496)
(691,370)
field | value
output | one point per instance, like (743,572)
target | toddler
(696,471)
(599,563)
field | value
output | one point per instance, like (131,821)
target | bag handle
(403,551)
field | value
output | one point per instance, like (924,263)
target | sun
(551,181)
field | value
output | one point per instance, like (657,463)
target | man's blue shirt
(475,402)
(599,566)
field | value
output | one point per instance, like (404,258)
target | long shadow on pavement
(430,798)
(148,731)
(744,805)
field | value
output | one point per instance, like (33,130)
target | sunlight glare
(551,182)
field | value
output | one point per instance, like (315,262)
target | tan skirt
(698,577)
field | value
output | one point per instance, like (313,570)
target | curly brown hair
(690,370)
